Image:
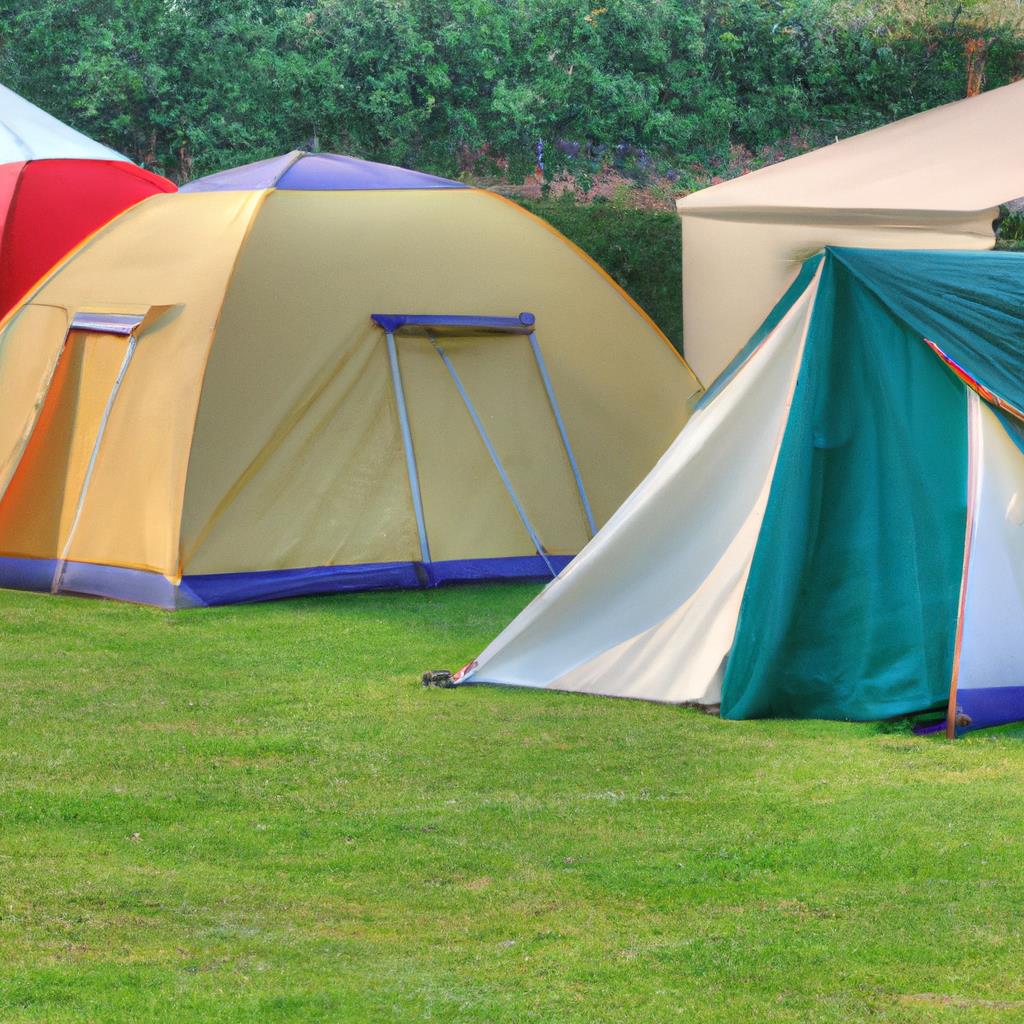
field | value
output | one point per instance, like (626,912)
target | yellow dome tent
(315,374)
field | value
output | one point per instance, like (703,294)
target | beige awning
(932,181)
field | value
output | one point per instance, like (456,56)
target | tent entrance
(484,439)
(57,466)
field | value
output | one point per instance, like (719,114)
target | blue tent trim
(201,591)
(524,323)
(990,705)
(133,585)
(299,171)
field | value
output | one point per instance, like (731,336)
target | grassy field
(257,814)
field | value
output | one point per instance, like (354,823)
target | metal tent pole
(549,388)
(478,423)
(410,455)
(58,575)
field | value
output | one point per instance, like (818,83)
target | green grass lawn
(258,814)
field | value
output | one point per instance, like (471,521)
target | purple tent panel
(151,588)
(316,172)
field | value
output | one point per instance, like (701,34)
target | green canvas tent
(837,531)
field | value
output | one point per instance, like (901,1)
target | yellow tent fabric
(931,181)
(199,409)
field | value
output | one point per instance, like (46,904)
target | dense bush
(1011,232)
(677,91)
(191,86)
(640,249)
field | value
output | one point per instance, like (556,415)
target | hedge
(640,249)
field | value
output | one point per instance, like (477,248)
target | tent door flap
(476,328)
(97,328)
(478,423)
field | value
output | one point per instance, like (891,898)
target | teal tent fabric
(850,608)
(970,304)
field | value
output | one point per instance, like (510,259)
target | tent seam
(256,208)
(814,286)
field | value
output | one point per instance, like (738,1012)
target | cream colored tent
(316,374)
(932,181)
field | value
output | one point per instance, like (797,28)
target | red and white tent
(57,187)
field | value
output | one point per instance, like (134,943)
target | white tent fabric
(28,133)
(932,181)
(649,608)
(992,644)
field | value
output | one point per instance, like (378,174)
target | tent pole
(951,710)
(478,423)
(549,388)
(410,455)
(58,575)
(973,473)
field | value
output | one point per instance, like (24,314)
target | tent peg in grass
(441,679)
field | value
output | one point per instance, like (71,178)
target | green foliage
(1011,232)
(640,249)
(445,85)
(258,814)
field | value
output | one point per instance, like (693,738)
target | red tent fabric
(48,207)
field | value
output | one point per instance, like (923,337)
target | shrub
(640,85)
(641,250)
(1011,232)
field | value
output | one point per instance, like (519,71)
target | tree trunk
(976,51)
